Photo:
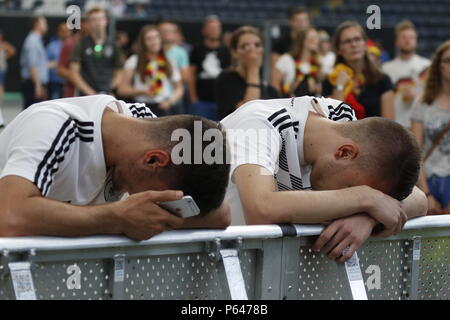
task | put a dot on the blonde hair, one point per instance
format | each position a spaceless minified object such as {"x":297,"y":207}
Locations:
{"x":404,"y":25}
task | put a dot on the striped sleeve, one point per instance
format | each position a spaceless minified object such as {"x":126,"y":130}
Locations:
{"x":140,"y":110}
{"x":42,"y":142}
{"x":341,"y":112}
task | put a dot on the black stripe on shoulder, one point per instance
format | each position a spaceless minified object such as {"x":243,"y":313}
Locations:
{"x":280,"y":120}
{"x":83,"y":123}
{"x":69,"y":132}
{"x":46,"y":177}
{"x":50,"y":151}
{"x":343,"y":116}
{"x":276,"y":114}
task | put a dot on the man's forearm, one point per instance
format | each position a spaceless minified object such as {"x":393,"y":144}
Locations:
{"x":82,"y":85}
{"x":308,"y":207}
{"x":416,"y":204}
{"x":41,"y":216}
{"x":35,"y":76}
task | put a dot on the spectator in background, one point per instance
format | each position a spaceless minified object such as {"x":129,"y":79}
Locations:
{"x":173,"y":51}
{"x":355,"y":79}
{"x":150,"y":77}
{"x":96,"y":60}
{"x":431,"y":126}
{"x":117,"y":8}
{"x":34,"y":63}
{"x":207,"y":62}
{"x":64,"y":58}
{"x":407,"y":71}
{"x":181,"y":41}
{"x":177,"y":54}
{"x":7,"y":51}
{"x":56,"y":84}
{"x":123,"y":42}
{"x":298,"y":21}
{"x":243,"y":82}
{"x":326,"y":51}
{"x":297,"y":73}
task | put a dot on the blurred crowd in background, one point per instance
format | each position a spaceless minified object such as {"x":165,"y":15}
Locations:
{"x":225,"y":70}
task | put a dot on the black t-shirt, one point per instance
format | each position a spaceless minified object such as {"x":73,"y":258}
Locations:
{"x":209,"y":63}
{"x":283,"y":44}
{"x":97,"y":63}
{"x":370,"y":96}
{"x":230,"y":89}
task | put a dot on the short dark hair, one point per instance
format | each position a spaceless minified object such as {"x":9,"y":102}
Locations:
{"x":34,"y":21}
{"x":295,"y":11}
{"x":205,"y":182}
{"x":389,"y":151}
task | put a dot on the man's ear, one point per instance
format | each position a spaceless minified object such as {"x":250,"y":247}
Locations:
{"x":156,"y":158}
{"x":347,"y":152}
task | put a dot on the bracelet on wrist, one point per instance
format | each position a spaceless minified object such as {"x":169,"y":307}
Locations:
{"x":254,"y":85}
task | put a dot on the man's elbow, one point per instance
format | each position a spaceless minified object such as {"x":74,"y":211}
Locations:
{"x":422,"y":203}
{"x":10,"y":225}
{"x":259,"y":214}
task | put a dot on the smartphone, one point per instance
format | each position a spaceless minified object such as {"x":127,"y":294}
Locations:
{"x":184,"y":208}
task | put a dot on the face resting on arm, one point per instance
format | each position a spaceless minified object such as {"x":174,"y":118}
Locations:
{"x":39,"y":196}
{"x":365,"y":167}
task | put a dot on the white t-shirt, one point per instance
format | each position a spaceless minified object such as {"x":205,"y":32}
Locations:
{"x":410,"y":73}
{"x":270,"y":133}
{"x":434,"y":120}
{"x":57,"y":145}
{"x":286,"y":65}
{"x":328,"y":62}
{"x":166,"y":86}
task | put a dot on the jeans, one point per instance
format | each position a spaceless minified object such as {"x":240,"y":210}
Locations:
{"x":204,"y":109}
{"x":28,"y":94}
{"x":440,"y":189}
{"x":55,"y":90}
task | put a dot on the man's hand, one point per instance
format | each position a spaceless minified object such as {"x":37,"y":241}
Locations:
{"x":252,"y":59}
{"x":141,"y":217}
{"x":165,"y":105}
{"x":39,"y":91}
{"x":342,"y":78}
{"x":346,"y":232}
{"x":386,"y":210}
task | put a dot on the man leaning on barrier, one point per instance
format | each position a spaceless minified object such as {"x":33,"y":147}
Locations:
{"x":64,"y":164}
{"x":363,"y":173}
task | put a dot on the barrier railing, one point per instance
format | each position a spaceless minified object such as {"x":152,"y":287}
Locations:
{"x":245,"y":262}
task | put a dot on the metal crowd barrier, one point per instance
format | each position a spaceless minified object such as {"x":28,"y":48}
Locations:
{"x":245,"y":262}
